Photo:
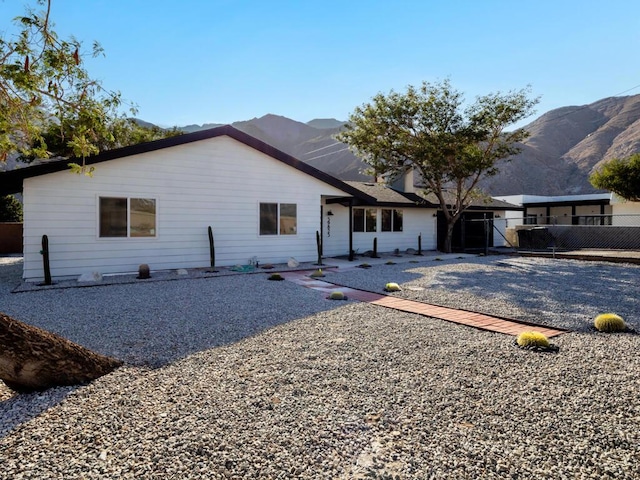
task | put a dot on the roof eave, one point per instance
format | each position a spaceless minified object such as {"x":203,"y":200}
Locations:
{"x":13,"y":179}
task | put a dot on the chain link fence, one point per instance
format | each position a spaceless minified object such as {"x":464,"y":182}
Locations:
{"x":599,"y":232}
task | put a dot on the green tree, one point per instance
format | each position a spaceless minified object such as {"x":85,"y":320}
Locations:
{"x":621,"y":176}
{"x":10,"y":209}
{"x":428,"y":129}
{"x":49,"y":105}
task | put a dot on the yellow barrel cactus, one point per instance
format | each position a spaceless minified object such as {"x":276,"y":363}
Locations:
{"x":392,"y":287}
{"x":337,"y":295}
{"x":532,"y":339}
{"x":609,"y":322}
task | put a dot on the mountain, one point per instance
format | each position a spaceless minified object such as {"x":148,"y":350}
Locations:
{"x":325,"y":123}
{"x":563,"y":148}
{"x":311,"y":144}
{"x":567,"y":144}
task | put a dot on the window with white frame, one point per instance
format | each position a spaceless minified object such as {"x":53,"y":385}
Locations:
{"x":127,"y":217}
{"x":391,"y":220}
{"x":278,"y":219}
{"x":365,"y":220}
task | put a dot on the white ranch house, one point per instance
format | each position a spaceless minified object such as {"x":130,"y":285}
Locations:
{"x":152,"y":203}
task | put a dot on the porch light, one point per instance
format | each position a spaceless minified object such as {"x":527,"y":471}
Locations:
{"x":329,"y":213}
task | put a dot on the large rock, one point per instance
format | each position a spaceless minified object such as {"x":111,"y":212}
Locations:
{"x":33,"y":359}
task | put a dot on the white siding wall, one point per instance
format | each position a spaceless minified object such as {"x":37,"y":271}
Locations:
{"x":513,"y":218}
{"x":415,"y":221}
{"x":218,"y":182}
{"x":626,"y":214}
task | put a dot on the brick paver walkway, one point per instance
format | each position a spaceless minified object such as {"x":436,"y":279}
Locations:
{"x":463,"y":317}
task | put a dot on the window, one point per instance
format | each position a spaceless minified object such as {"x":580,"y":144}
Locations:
{"x":391,"y":220}
{"x":365,"y":219}
{"x":358,"y":219}
{"x":288,"y":219}
{"x":127,"y":217}
{"x":531,"y":219}
{"x":278,"y":219}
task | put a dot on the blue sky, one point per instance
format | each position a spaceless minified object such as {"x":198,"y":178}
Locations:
{"x":220,"y":61}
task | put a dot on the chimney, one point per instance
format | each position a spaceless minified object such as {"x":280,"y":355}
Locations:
{"x":404,"y":182}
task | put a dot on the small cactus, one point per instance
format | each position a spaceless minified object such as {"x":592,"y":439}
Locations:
{"x":390,"y":263}
{"x":609,"y":322}
{"x":532,"y":339}
{"x":276,"y":277}
{"x":392,"y":287}
{"x":144,"y":272}
{"x":337,"y":295}
{"x":364,"y":265}
{"x":437,"y":259}
{"x":317,"y":274}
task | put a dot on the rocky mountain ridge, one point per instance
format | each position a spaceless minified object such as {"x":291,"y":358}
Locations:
{"x":564,"y":146}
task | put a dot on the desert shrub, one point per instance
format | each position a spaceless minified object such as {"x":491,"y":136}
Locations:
{"x":390,"y":263}
{"x":276,"y":276}
{"x":392,"y":287}
{"x":364,"y":265}
{"x":532,"y":339}
{"x":609,"y":322}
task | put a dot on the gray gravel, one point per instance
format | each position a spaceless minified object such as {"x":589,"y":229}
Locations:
{"x":564,"y":293}
{"x":239,"y":377}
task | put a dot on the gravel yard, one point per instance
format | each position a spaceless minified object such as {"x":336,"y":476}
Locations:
{"x":239,"y":377}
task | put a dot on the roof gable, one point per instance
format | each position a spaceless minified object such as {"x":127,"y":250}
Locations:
{"x":11,"y":181}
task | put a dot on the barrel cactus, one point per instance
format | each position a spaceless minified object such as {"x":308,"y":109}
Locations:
{"x":337,"y":295}
{"x":392,"y":287}
{"x":532,"y":339}
{"x":276,"y":277}
{"x":609,"y":322}
{"x":317,"y":274}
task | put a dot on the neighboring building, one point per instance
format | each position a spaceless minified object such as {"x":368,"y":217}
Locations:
{"x":600,"y":221}
{"x":590,"y":209}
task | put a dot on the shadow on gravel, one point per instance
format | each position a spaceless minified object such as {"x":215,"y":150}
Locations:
{"x":557,"y":289}
{"x":155,"y":324}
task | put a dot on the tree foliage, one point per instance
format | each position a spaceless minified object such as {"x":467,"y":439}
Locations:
{"x":49,"y":105}
{"x":10,"y":209}
{"x":428,"y":129}
{"x":621,"y":176}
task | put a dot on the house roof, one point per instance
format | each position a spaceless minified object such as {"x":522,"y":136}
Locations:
{"x":11,"y":181}
{"x":559,"y":200}
{"x":486,"y":203}
{"x":385,"y":195}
